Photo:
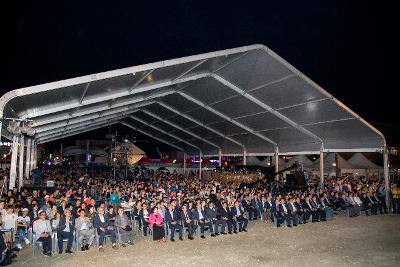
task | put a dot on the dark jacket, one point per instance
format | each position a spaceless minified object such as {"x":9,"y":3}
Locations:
{"x":62,"y":224}
{"x":97,"y":223}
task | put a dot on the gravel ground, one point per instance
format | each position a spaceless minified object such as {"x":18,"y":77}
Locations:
{"x":361,"y":241}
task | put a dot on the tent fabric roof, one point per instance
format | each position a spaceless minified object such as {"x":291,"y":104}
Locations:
{"x":230,"y":101}
{"x":359,"y":161}
{"x":329,"y":159}
{"x":301,"y":159}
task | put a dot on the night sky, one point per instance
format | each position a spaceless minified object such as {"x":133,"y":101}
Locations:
{"x":347,"y":47}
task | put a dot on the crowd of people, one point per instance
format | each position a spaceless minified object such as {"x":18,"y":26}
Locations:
{"x":86,"y":209}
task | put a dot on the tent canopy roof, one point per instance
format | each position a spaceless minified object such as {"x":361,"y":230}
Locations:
{"x":245,"y":98}
{"x":360,"y":161}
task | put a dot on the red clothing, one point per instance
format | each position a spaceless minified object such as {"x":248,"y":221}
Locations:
{"x":155,"y":218}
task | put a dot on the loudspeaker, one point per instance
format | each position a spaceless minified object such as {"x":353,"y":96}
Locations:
{"x":290,"y":180}
{"x":299,"y":179}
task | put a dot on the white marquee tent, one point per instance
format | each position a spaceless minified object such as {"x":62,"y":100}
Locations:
{"x":362,"y":165}
{"x":241,"y":101}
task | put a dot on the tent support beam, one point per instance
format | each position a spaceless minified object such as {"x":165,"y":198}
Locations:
{"x":46,"y":110}
{"x":13,"y":165}
{"x":66,"y":130}
{"x":265,"y":106}
{"x":145,"y":75}
{"x":227,"y":118}
{"x":386,"y":176}
{"x":244,"y":157}
{"x":230,"y":62}
{"x":200,"y":156}
{"x":220,"y":158}
{"x":180,"y":128}
{"x":184,"y":163}
{"x":276,"y":159}
{"x":321,"y":166}
{"x":152,"y":136}
{"x":189,"y":69}
{"x":28,"y":157}
{"x":52,"y":124}
{"x":162,"y":131}
{"x":21,"y":163}
{"x":199,"y":123}
{"x":75,"y":132}
{"x":84,"y":93}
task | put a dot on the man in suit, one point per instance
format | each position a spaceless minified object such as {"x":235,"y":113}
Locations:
{"x":246,"y":204}
{"x":369,"y":204}
{"x":238,"y":214}
{"x":286,"y":213}
{"x":301,"y":212}
{"x":271,"y":207}
{"x":380,"y":205}
{"x":200,"y":216}
{"x":345,"y":205}
{"x":293,"y":211}
{"x":66,"y":228}
{"x":84,"y":230}
{"x":104,"y":227}
{"x":310,"y":209}
{"x":319,"y":207}
{"x":213,"y":215}
{"x":187,"y":219}
{"x":172,"y":218}
{"x":226,"y":215}
{"x":255,"y":204}
{"x":328,"y":204}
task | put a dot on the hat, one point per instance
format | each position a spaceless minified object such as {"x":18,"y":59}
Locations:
{"x":40,"y":211}
{"x":25,"y":209}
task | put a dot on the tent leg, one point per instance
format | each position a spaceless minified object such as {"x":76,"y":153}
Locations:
{"x":34,"y":156}
{"x":244,"y":157}
{"x":13,"y":167}
{"x":28,"y":157}
{"x":220,"y":158}
{"x":200,"y":155}
{"x":386,"y":175}
{"x":21,"y":163}
{"x":276,"y":160}
{"x":184,"y":163}
{"x":321,"y":166}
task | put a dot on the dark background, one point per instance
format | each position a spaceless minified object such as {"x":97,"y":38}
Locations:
{"x":347,"y":47}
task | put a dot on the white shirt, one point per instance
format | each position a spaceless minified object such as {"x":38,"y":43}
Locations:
{"x":200,"y":215}
{"x":284,"y":208}
{"x":238,"y":211}
{"x":24,"y":220}
{"x":67,"y":228}
{"x":9,"y":220}
{"x":294,"y":208}
{"x":84,"y":226}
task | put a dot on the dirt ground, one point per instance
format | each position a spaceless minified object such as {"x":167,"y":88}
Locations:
{"x":361,"y":241}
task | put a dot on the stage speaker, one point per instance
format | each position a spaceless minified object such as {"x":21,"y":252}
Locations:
{"x":299,"y":179}
{"x":290,"y":179}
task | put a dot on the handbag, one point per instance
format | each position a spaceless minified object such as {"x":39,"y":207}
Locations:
{"x":128,"y":228}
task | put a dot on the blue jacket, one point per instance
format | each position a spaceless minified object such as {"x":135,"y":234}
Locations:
{"x":195,"y":215}
{"x":168,"y":217}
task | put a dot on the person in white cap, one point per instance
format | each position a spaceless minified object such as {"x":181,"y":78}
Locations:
{"x":42,"y":229}
{"x":23,"y":222}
